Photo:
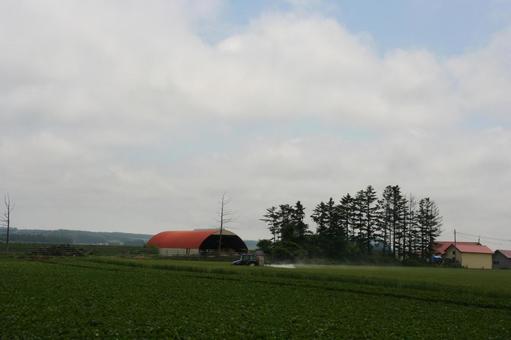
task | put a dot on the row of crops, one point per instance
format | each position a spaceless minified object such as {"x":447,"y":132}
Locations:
{"x":456,"y":285}
{"x":109,"y":298}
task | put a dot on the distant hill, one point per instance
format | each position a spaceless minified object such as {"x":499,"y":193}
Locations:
{"x":251,"y":244}
{"x":66,"y":236}
{"x":73,"y":237}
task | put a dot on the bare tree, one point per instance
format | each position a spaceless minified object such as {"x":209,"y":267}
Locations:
{"x":224,"y":217}
{"x":6,"y":218}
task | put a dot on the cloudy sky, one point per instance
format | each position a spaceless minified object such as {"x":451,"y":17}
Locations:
{"x":136,"y":115}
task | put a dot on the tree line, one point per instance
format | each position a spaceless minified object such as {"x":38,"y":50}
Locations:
{"x":361,"y":225}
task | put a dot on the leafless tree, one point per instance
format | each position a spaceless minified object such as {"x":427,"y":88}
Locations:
{"x":6,"y":217}
{"x":224,"y":217}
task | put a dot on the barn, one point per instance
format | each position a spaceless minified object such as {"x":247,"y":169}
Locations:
{"x":475,"y":256}
{"x":502,"y":259}
{"x":197,"y":242}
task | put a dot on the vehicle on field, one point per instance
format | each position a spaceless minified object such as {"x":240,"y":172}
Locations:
{"x":249,"y":260}
{"x":437,"y":259}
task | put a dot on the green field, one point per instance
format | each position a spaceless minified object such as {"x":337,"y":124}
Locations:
{"x":101,"y":250}
{"x":111,"y":297}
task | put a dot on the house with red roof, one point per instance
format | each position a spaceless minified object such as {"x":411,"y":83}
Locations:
{"x":441,"y":246}
{"x":469,"y":255}
{"x":502,"y":259}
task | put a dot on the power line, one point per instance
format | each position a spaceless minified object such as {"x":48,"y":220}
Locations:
{"x":484,"y":237}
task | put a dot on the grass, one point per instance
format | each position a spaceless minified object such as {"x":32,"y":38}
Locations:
{"x":111,"y":297}
{"x":99,"y":250}
{"x":490,"y":281}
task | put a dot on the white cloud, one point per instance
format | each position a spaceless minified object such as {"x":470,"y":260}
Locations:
{"x":116,"y":115}
{"x":484,"y":77}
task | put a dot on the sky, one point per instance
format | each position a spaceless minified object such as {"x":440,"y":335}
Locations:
{"x":136,"y":116}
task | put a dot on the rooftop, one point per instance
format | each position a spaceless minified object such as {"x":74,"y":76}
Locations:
{"x":441,"y":246}
{"x":506,"y":253}
{"x":472,"y":248}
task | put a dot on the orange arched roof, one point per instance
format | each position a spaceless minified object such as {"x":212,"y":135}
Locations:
{"x":184,"y":239}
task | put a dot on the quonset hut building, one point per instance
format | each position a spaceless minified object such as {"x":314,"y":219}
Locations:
{"x":196,"y":242}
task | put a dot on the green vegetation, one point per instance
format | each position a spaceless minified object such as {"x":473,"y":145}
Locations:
{"x":362,"y":227}
{"x":72,"y":237}
{"x":112,"y":297}
{"x":90,"y":249}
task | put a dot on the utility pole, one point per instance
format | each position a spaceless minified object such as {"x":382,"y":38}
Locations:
{"x":454,"y":236}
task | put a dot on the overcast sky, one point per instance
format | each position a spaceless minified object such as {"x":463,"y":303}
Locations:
{"x":136,"y":115}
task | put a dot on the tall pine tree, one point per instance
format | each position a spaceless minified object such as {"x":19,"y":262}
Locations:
{"x":347,"y":215}
{"x":331,"y":235}
{"x":273,"y":219}
{"x":430,"y":222}
{"x":369,"y":212}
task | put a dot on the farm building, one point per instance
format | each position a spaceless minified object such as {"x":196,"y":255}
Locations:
{"x":502,"y":259}
{"x":469,"y":255}
{"x":441,"y":246}
{"x":196,"y":242}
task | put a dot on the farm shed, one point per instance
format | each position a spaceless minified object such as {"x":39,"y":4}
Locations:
{"x":502,"y":259}
{"x":196,"y":242}
{"x":475,"y":256}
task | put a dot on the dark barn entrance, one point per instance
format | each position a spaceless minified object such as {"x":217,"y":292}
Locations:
{"x":230,"y":243}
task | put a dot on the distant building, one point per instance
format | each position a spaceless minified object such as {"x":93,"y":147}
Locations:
{"x":469,"y":255}
{"x":502,"y":259}
{"x":440,"y":247}
{"x":196,"y":242}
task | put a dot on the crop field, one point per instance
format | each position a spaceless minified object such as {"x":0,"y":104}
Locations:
{"x":100,"y":250}
{"x":111,"y":297}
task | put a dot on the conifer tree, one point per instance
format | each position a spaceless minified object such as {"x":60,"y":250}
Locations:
{"x":321,"y":218}
{"x":391,"y":228}
{"x":369,"y":210}
{"x":335,"y":226}
{"x":412,"y":228}
{"x":287,"y":232}
{"x":358,"y":216}
{"x":347,"y":215}
{"x":331,"y":235}
{"x":430,"y":222}
{"x":299,"y":227}
{"x":404,"y":227}
{"x":398,"y":221}
{"x":385,"y":222}
{"x":273,"y":219}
